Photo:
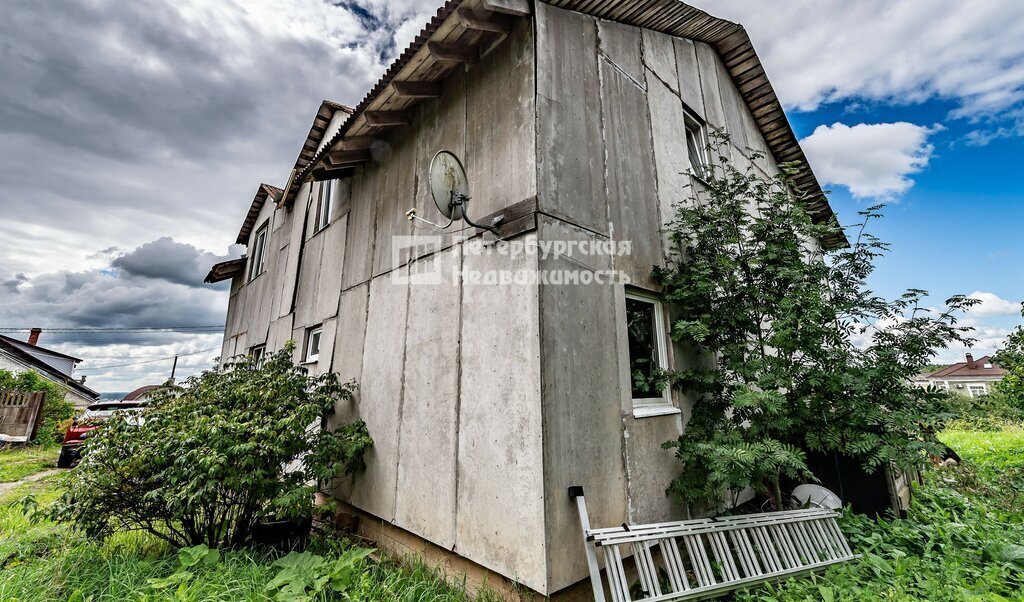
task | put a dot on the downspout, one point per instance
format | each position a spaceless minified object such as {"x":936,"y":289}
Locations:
{"x":302,"y":246}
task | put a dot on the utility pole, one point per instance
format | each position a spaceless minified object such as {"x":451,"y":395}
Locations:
{"x":174,"y":368}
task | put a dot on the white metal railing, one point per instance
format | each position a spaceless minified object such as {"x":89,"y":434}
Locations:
{"x":684,"y":560}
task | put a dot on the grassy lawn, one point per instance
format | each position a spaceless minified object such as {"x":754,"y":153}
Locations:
{"x":963,"y":540}
{"x":41,"y":562}
{"x":17,"y":463}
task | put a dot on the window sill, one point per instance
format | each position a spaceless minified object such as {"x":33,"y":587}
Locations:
{"x":659,"y":410}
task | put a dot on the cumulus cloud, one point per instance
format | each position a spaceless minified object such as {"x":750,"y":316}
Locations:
{"x":156,"y":285}
{"x":819,"y":51}
{"x":993,"y":305}
{"x":823,"y":50}
{"x":872,"y":160}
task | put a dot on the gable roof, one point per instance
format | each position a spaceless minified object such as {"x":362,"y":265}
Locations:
{"x":264,"y":192}
{"x":16,"y":349}
{"x":321,"y":121}
{"x":225,"y":270}
{"x":961,"y":370}
{"x":730,"y":40}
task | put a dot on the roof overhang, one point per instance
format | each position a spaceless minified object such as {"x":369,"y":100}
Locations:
{"x":462,"y":27}
{"x":321,"y":121}
{"x":225,"y":270}
{"x":265,"y":191}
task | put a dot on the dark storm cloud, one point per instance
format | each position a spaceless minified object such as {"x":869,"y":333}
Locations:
{"x":165,"y":259}
{"x":154,"y":286}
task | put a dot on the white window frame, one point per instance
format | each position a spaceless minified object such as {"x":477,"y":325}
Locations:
{"x":258,"y":257}
{"x":692,"y":123}
{"x":971,"y":388}
{"x":651,"y":406}
{"x":259,"y":354}
{"x":316,"y":333}
{"x":324,"y":205}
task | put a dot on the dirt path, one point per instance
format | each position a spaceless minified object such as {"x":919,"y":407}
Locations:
{"x":5,"y":487}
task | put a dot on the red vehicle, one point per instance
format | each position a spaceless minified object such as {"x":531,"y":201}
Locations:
{"x":84,"y":426}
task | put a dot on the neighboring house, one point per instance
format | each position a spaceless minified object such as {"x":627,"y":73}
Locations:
{"x":19,"y":356}
{"x":973,"y":377}
{"x":487,"y":399}
{"x":143,"y":393}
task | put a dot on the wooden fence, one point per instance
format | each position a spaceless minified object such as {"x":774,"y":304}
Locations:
{"x":20,"y":413}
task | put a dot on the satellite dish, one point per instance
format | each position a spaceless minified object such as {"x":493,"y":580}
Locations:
{"x":449,"y":185}
{"x":816,"y":496}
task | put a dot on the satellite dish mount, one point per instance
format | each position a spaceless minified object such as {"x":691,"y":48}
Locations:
{"x":449,"y":187}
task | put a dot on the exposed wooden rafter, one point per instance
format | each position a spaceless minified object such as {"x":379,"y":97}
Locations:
{"x":417,"y":89}
{"x":455,"y":53}
{"x":481,"y":20}
{"x":518,"y":8}
{"x":347,"y":158}
{"x":387,"y":118}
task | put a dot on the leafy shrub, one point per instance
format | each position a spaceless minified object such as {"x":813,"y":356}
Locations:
{"x":205,"y":463}
{"x":984,"y":413}
{"x":57,"y":410}
{"x":776,"y":320}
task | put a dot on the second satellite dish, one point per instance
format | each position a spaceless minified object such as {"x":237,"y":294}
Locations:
{"x":449,"y":185}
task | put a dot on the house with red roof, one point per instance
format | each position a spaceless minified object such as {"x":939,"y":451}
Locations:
{"x":971,"y":377}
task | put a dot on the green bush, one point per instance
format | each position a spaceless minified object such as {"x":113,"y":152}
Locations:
{"x":57,"y":410}
{"x":206,"y":462}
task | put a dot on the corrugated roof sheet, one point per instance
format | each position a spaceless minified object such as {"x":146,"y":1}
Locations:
{"x":668,"y":16}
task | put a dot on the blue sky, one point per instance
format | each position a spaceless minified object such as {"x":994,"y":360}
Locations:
{"x":166,"y":116}
{"x":957,"y":229}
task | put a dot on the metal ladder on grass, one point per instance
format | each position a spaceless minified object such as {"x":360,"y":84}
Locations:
{"x":685,"y":560}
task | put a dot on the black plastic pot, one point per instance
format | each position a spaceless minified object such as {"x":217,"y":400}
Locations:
{"x":285,"y":535}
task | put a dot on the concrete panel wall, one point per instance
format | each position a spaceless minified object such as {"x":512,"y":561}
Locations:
{"x":629,"y":173}
{"x":570,"y":161}
{"x":634,"y":149}
{"x":500,"y":521}
{"x":500,"y":130}
{"x":581,"y":391}
{"x":428,"y":440}
{"x":380,"y":395}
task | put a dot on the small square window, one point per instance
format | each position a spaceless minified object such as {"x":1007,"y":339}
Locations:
{"x":258,"y":257}
{"x":258,"y":354}
{"x":696,"y":144}
{"x":313,"y":343}
{"x":324,"y":205}
{"x":645,"y":331}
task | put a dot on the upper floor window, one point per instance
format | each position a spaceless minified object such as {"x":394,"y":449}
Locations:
{"x":258,"y":354}
{"x":648,"y":357}
{"x":258,"y":257}
{"x":977,"y":390}
{"x":696,"y":144}
{"x":324,"y":205}
{"x":313,"y":343}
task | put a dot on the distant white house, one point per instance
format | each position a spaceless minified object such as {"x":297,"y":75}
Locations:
{"x":20,"y":356}
{"x":973,"y":377}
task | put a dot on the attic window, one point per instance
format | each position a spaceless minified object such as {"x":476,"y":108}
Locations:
{"x":696,"y":143}
{"x":987,"y":366}
{"x":257,"y":259}
{"x":324,"y":205}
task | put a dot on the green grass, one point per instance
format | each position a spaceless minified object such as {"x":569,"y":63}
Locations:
{"x":45,"y":562}
{"x":960,"y":541}
{"x":16,"y":463}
